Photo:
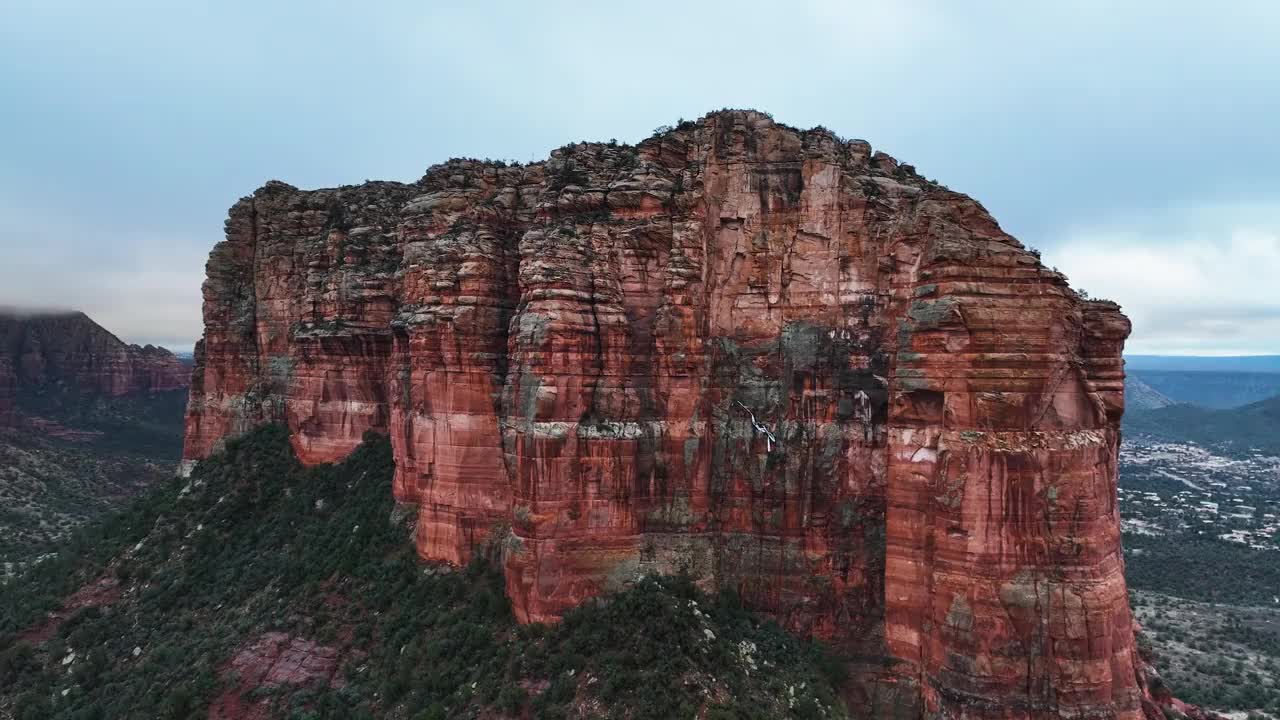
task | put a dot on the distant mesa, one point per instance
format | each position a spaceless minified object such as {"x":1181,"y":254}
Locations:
{"x":66,"y":350}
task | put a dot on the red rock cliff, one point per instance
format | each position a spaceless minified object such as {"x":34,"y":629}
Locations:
{"x":71,"y":350}
{"x":768,"y":357}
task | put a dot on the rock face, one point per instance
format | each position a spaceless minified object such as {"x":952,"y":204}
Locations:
{"x":767,"y":357}
{"x":70,"y":350}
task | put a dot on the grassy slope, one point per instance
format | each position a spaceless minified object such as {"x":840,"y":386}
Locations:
{"x":1217,"y":390}
{"x":256,"y":543}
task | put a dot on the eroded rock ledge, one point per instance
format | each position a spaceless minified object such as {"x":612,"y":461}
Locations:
{"x":568,"y":355}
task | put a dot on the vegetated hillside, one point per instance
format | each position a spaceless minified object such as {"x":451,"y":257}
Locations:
{"x":142,"y":423}
{"x":1237,"y":430}
{"x":74,"y":457}
{"x":1224,"y":657}
{"x":1209,"y":388}
{"x":1202,"y":568}
{"x":1208,"y":608}
{"x":258,"y":588}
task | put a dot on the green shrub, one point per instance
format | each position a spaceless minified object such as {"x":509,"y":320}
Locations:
{"x":245,"y":546}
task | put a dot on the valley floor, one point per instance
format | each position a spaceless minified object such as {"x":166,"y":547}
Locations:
{"x":1202,"y":559}
{"x":1219,"y":656}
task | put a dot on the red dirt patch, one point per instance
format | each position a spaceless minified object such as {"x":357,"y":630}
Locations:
{"x":99,"y":593}
{"x":273,"y":660}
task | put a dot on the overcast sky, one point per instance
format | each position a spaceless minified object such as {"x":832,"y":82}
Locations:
{"x":1136,"y":143}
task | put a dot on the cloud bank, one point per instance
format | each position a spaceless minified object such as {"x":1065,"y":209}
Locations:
{"x":1199,"y":281}
{"x":130,"y":127}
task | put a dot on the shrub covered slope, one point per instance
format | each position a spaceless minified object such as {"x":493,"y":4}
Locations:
{"x":153,"y":609}
{"x":1248,"y":429}
{"x":95,"y":456}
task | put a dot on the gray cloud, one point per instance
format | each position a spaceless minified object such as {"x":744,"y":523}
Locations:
{"x":1195,"y":280}
{"x":130,"y":127}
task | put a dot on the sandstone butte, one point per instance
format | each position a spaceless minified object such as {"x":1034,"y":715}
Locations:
{"x":568,"y":356}
{"x":69,"y":350}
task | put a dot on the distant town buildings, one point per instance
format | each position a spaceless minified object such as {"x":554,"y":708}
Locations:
{"x":1168,"y":488}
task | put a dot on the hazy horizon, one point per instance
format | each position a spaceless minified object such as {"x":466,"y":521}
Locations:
{"x":1131,"y":145}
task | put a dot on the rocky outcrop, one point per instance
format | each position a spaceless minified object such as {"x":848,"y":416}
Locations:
{"x":69,"y":350}
{"x":272,"y":661}
{"x":767,"y":357}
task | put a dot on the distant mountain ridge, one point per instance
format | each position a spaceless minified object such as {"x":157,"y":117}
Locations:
{"x":1193,"y":363}
{"x":1218,"y":390}
{"x":1219,"y":383}
{"x":1244,"y":429}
